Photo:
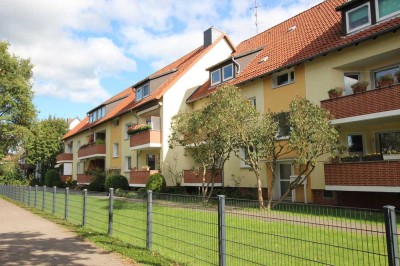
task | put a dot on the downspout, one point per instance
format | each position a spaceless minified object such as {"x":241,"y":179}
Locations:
{"x":137,"y":151}
{"x":237,"y":64}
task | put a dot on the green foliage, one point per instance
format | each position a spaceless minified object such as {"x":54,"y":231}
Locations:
{"x":116,"y":181}
{"x":156,"y":183}
{"x":52,"y":178}
{"x":17,"y":112}
{"x":138,"y":129}
{"x":36,"y":181}
{"x":11,"y":174}
{"x":97,"y":182}
{"x":46,"y":144}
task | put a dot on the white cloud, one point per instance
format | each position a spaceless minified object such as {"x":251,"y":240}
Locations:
{"x":74,"y":44}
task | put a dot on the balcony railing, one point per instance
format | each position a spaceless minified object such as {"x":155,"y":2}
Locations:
{"x":192,"y":177}
{"x":363,"y":174}
{"x":146,"y":139}
{"x":369,"y":102}
{"x":95,"y":150}
{"x":139,"y":178}
{"x":84,"y":178}
{"x":64,"y":157}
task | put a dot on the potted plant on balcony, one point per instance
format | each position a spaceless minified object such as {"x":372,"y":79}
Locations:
{"x":138,"y":128}
{"x":350,"y":158}
{"x":385,"y":80}
{"x":360,"y":86}
{"x":145,"y":168}
{"x":392,"y":154}
{"x":372,"y":157}
{"x":335,"y":92}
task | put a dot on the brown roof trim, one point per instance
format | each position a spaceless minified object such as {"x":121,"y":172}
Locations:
{"x":323,"y":53}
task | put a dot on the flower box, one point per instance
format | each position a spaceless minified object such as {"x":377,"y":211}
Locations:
{"x":391,"y":156}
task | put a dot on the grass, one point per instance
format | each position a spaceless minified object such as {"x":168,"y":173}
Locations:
{"x":187,"y":233}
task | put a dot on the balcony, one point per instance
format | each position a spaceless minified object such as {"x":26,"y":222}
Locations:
{"x":139,"y":178}
{"x":146,"y":139}
{"x":193,"y":178}
{"x":84,"y":179}
{"x":64,"y":158}
{"x":366,"y":103}
{"x":92,"y":151}
{"x":374,"y":176}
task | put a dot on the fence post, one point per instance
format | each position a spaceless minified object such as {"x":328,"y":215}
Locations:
{"x":66,"y":204}
{"x":29,"y":196}
{"x":44,"y":198}
{"x":36,"y":189}
{"x":221,"y":231}
{"x":149,"y":231}
{"x":84,"y":207}
{"x":54,"y":199}
{"x":391,"y":235}
{"x":110,"y":211}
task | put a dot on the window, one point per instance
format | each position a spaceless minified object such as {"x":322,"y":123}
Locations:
{"x":355,"y":144}
{"x":227,"y":72}
{"x":284,"y":78}
{"x":151,"y":161}
{"x":79,"y":168}
{"x":244,"y":154}
{"x":389,"y":142}
{"x":253,"y":101}
{"x":91,"y":117}
{"x":128,"y":163}
{"x":283,"y":121}
{"x":358,"y":18}
{"x":142,"y":91}
{"x":216,"y":77}
{"x":387,"y":71}
{"x":116,"y":122}
{"x":115,"y":149}
{"x":386,"y":8}
{"x":350,"y":79}
{"x":127,"y":126}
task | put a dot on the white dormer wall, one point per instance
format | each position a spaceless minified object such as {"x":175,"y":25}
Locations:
{"x":174,"y":100}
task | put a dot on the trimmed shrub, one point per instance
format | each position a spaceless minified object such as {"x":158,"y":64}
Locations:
{"x":98,"y":179}
{"x":116,"y":181}
{"x":52,"y":178}
{"x":156,"y":183}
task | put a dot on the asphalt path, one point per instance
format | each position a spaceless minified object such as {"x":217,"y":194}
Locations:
{"x":28,"y":239}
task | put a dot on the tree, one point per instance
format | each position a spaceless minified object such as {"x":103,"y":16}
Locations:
{"x":46,"y":143}
{"x":208,"y":133}
{"x":17,"y":112}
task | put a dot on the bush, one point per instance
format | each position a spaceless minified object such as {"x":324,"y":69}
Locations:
{"x":116,"y":181}
{"x":52,"y":178}
{"x":36,"y":181}
{"x":98,"y":179}
{"x":156,"y":183}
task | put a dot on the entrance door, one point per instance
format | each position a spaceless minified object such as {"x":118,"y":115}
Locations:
{"x":283,"y":181}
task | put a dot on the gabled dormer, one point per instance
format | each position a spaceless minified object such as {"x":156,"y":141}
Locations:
{"x":360,"y":14}
{"x":223,"y":71}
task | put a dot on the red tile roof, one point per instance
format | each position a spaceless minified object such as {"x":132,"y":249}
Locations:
{"x":177,"y":68}
{"x":317,"y":32}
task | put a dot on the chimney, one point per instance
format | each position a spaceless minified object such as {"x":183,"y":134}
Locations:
{"x":211,"y":35}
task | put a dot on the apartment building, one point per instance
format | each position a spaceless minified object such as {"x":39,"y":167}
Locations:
{"x":335,"y":43}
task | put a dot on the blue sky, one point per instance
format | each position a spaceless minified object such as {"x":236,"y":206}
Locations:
{"x":85,"y":51}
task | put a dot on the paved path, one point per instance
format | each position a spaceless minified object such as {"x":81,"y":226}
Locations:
{"x":28,"y":239}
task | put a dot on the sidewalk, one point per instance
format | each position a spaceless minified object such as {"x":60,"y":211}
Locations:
{"x":27,"y":239}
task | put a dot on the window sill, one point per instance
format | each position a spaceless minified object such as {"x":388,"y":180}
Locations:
{"x":283,"y":85}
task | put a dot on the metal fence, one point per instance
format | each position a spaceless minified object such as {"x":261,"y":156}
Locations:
{"x":227,"y":231}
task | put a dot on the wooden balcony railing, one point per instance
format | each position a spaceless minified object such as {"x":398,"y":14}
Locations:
{"x":64,"y":157}
{"x":150,"y":138}
{"x":96,"y":150}
{"x":140,"y":177}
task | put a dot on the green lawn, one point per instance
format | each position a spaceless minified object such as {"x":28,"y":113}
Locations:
{"x":187,"y":232}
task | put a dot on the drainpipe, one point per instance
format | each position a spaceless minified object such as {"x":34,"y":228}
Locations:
{"x":237,"y":64}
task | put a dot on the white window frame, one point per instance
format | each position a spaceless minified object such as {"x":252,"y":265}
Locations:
{"x":349,"y":91}
{"x":286,"y":72}
{"x":140,"y":89}
{"x":243,"y":154}
{"x":144,"y":87}
{"x":378,"y":18}
{"x":115,"y":150}
{"x":126,"y":163}
{"x":373,"y":72}
{"x":223,"y":73}
{"x":126,"y":135}
{"x":362,"y":26}
{"x":219,"y":74}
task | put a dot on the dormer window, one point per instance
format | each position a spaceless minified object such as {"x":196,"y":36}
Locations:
{"x":386,"y":8}
{"x":227,"y":72}
{"x":97,"y":114}
{"x":358,"y":18}
{"x":215,"y":77}
{"x":142,"y":92}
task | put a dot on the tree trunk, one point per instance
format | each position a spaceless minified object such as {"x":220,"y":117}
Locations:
{"x":271,"y":186}
{"x":259,"y":191}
